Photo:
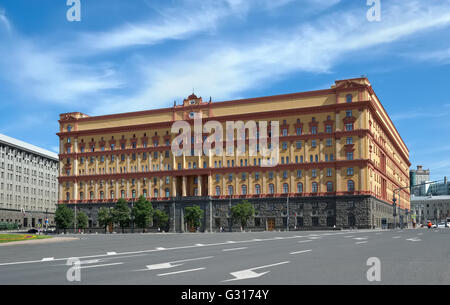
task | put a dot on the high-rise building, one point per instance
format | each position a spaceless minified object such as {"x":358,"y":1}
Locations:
{"x":418,"y":178}
{"x":340,"y":159}
{"x":28,"y":183}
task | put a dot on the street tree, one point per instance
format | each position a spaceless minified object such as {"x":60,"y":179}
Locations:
{"x":193,"y":216}
{"x":160,"y":218}
{"x":242,"y":212}
{"x":142,"y":213}
{"x":64,"y":217}
{"x":82,"y":220}
{"x":121,"y":214}
{"x":105,"y":217}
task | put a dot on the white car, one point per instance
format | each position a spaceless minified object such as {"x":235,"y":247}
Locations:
{"x":442,"y":225}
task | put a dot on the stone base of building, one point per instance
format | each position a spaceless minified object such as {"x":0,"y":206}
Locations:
{"x":305,"y":213}
{"x":27,"y":219}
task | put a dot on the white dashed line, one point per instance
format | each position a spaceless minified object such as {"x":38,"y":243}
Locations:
{"x":234,"y":249}
{"x":361,"y":242}
{"x":182,"y":271}
{"x":298,"y":252}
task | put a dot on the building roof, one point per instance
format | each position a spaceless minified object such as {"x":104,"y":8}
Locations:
{"x":28,"y":147}
{"x":430,"y":198}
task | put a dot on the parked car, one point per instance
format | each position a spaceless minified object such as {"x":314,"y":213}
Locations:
{"x":33,"y":231}
{"x":442,"y":225}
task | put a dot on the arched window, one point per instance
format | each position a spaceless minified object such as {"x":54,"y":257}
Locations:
{"x":144,"y":193}
{"x":349,"y":98}
{"x":329,"y":187}
{"x":350,"y":186}
{"x":133,"y":193}
{"x":69,"y":128}
{"x":81,"y":196}
{"x":111,"y":194}
{"x":285,"y":188}
{"x":155,"y":192}
{"x":244,"y":189}
{"x":167,"y":192}
{"x":257,"y":189}
{"x":230,"y":190}
{"x":315,"y":187}
{"x":299,"y":187}
{"x":122,"y":194}
{"x":67,"y":196}
{"x":217,"y":190}
{"x":271,"y":188}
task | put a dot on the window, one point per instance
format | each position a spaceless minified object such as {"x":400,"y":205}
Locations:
{"x":257,"y":189}
{"x":101,"y":195}
{"x":349,"y":127}
{"x":315,"y":187}
{"x":350,"y":171}
{"x":230,"y":190}
{"x":313,"y":129}
{"x":349,"y":155}
{"x":285,"y":174}
{"x":314,"y":173}
{"x":299,"y":187}
{"x":217,"y":190}
{"x":167,"y":192}
{"x":329,"y":172}
{"x":328,"y":129}
{"x":329,"y":187}
{"x":349,"y":140}
{"x":299,"y":173}
{"x":69,"y":128}
{"x":298,"y":144}
{"x":350,"y":186}
{"x":299,"y":131}
{"x":348,"y":113}
{"x":349,"y":98}
{"x":244,"y":189}
{"x":155,"y":192}
{"x":285,"y":188}
{"x":285,"y":132}
{"x":284,"y":145}
{"x":67,"y":196}
{"x":271,"y":188}
{"x":329,"y":142}
{"x":313,"y":143}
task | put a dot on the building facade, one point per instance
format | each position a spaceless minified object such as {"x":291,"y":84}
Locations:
{"x":419,"y":176}
{"x":430,"y":208}
{"x":28,"y":183}
{"x":340,"y":159}
{"x":439,"y":188}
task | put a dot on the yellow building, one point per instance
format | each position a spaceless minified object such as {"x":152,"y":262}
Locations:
{"x":340,"y":160}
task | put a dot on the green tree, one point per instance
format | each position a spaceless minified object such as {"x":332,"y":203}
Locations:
{"x":160,"y":218}
{"x":242,"y":212}
{"x":142,"y":213}
{"x":121,"y":213}
{"x":104,"y":217}
{"x":63,"y":217}
{"x":193,"y":216}
{"x":82,"y":220}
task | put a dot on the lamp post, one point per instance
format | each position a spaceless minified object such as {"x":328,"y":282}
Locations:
{"x":287,"y":216}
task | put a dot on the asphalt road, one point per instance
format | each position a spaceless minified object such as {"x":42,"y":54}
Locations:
{"x":419,"y":256}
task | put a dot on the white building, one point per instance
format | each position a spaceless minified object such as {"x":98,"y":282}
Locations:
{"x":28,"y":183}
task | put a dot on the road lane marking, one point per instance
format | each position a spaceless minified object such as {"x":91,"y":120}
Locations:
{"x":361,"y":238}
{"x":234,"y":249}
{"x":149,"y":251}
{"x":182,"y":271}
{"x":172,"y":264}
{"x":397,"y":237}
{"x":199,"y":245}
{"x":298,"y":252}
{"x":249,"y":273}
{"x":414,"y":239}
{"x":111,"y":253}
{"x":104,"y":265}
{"x":47,"y":259}
{"x":305,"y":241}
{"x":361,"y":242}
{"x":349,"y":236}
{"x":160,"y":248}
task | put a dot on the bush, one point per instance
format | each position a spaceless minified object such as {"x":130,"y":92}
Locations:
{"x":8,"y":226}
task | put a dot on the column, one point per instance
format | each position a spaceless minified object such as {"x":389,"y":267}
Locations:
{"x":199,"y":185}
{"x":184,"y":185}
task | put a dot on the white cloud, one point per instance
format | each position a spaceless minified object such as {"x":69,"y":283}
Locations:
{"x":4,"y":20}
{"x":226,"y":69}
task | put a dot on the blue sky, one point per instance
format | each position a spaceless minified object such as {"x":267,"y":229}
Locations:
{"x":144,"y":54}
